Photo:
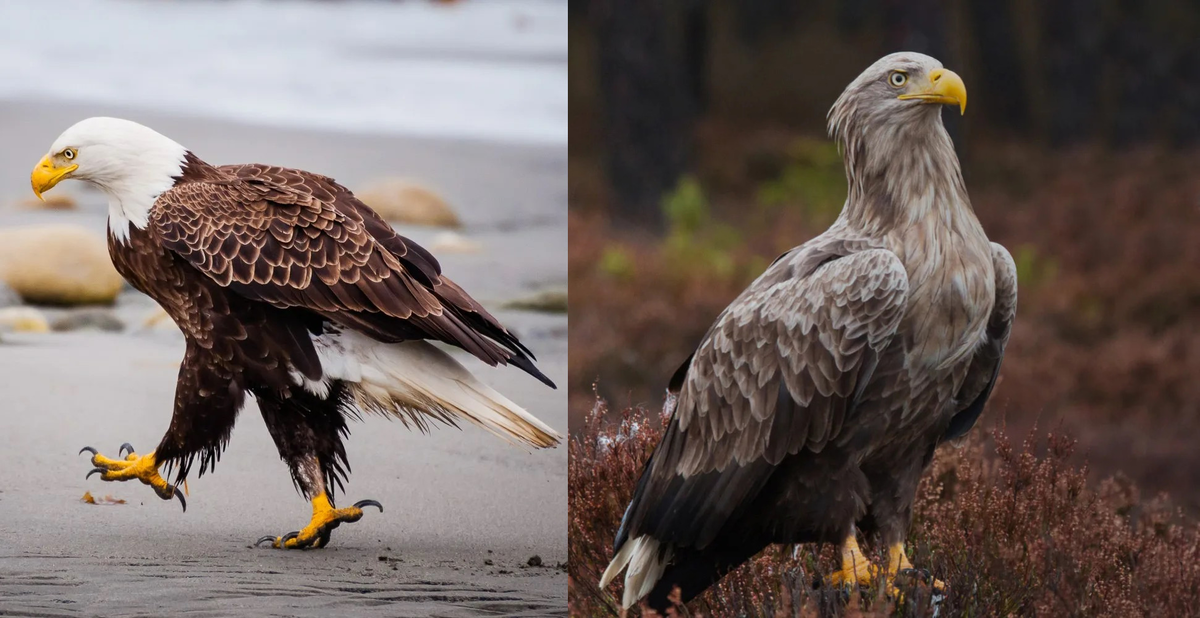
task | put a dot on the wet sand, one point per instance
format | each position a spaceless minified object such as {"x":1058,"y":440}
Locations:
{"x":454,"y":500}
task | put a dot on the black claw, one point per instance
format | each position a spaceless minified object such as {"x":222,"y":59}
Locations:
{"x":362,"y":503}
{"x":291,"y":535}
{"x":270,"y":538}
{"x":922,"y":575}
{"x":182,"y":501}
{"x":126,"y":446}
{"x":95,"y":470}
{"x":88,"y":449}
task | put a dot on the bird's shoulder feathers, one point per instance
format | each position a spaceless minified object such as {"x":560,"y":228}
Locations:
{"x":778,"y":372}
{"x":292,"y":239}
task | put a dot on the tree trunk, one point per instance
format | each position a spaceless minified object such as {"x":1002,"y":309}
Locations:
{"x":646,"y":117}
{"x":1072,"y":36}
{"x":1141,"y":66}
{"x":1003,"y":88}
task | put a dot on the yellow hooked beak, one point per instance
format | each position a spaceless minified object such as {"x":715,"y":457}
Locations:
{"x":45,"y":176}
{"x":945,"y":87}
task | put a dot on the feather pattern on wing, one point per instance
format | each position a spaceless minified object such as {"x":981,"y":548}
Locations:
{"x":296,"y":239}
{"x":777,"y":373}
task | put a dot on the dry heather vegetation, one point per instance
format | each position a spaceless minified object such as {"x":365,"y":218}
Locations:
{"x":1017,"y":534}
{"x":1105,"y":350}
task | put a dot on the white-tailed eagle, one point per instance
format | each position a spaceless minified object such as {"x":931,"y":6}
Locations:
{"x":813,"y":405}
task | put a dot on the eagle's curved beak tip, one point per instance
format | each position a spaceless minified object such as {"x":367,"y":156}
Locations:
{"x":945,"y":87}
{"x":949,"y":87}
{"x":45,"y":176}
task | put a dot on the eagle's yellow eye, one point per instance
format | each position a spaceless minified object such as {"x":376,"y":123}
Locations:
{"x":898,"y":78}
{"x":69,"y":154}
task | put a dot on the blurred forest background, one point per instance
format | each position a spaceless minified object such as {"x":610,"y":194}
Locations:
{"x":698,"y":154}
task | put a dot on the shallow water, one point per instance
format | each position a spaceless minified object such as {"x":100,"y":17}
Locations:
{"x":494,"y":69}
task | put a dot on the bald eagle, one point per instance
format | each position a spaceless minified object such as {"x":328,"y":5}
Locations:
{"x":812,"y":406}
{"x":287,"y":288}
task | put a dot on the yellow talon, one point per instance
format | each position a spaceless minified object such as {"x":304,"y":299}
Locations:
{"x":898,"y":563}
{"x":856,"y":568}
{"x":897,"y":560}
{"x":131,"y":466}
{"x":324,"y":519}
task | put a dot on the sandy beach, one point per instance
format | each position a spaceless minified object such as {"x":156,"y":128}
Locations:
{"x":464,"y":512}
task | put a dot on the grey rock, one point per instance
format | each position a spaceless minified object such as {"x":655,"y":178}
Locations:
{"x":8,"y":296}
{"x":546,"y":301}
{"x":88,"y":319}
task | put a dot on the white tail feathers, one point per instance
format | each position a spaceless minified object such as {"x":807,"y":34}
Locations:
{"x":646,"y":560}
{"x":414,"y":380}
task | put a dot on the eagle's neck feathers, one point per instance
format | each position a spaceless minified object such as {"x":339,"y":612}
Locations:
{"x":137,"y":183}
{"x":904,"y":174}
{"x":907,"y":192}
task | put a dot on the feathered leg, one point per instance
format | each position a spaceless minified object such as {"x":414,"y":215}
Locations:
{"x":207,"y":400}
{"x":308,"y":431}
{"x":893,"y":491}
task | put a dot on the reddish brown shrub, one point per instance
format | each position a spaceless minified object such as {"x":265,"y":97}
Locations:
{"x":1014,"y":534}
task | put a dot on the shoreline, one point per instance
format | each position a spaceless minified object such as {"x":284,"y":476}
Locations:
{"x":454,"y":499}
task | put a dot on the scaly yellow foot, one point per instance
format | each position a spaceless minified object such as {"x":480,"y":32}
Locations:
{"x":899,"y":566}
{"x":324,"y":519}
{"x":131,"y":466}
{"x":856,"y":568}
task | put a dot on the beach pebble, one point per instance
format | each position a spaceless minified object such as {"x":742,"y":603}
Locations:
{"x":403,"y":201}
{"x":92,"y":318}
{"x":546,"y":301}
{"x":23,"y":320}
{"x":58,"y":265}
{"x":8,"y":296}
{"x":57,"y":201}
{"x":453,"y":242}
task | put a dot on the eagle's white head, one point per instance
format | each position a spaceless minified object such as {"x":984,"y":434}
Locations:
{"x":131,"y":163}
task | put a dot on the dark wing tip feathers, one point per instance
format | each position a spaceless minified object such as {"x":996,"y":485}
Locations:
{"x":525,"y":363}
{"x":675,"y":385}
{"x":694,"y":484}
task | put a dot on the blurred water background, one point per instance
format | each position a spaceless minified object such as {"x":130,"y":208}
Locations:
{"x":493,"y":70}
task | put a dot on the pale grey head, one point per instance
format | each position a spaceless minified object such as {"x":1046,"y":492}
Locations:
{"x":888,"y":124}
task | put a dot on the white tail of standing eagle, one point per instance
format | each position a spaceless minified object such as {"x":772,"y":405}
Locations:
{"x":646,"y":560}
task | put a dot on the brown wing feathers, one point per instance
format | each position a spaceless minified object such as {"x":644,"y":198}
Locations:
{"x":779,"y":372}
{"x":296,"y":239}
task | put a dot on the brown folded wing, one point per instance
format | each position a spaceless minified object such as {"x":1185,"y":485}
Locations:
{"x":779,"y":372}
{"x":296,"y":239}
{"x":985,"y":365}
